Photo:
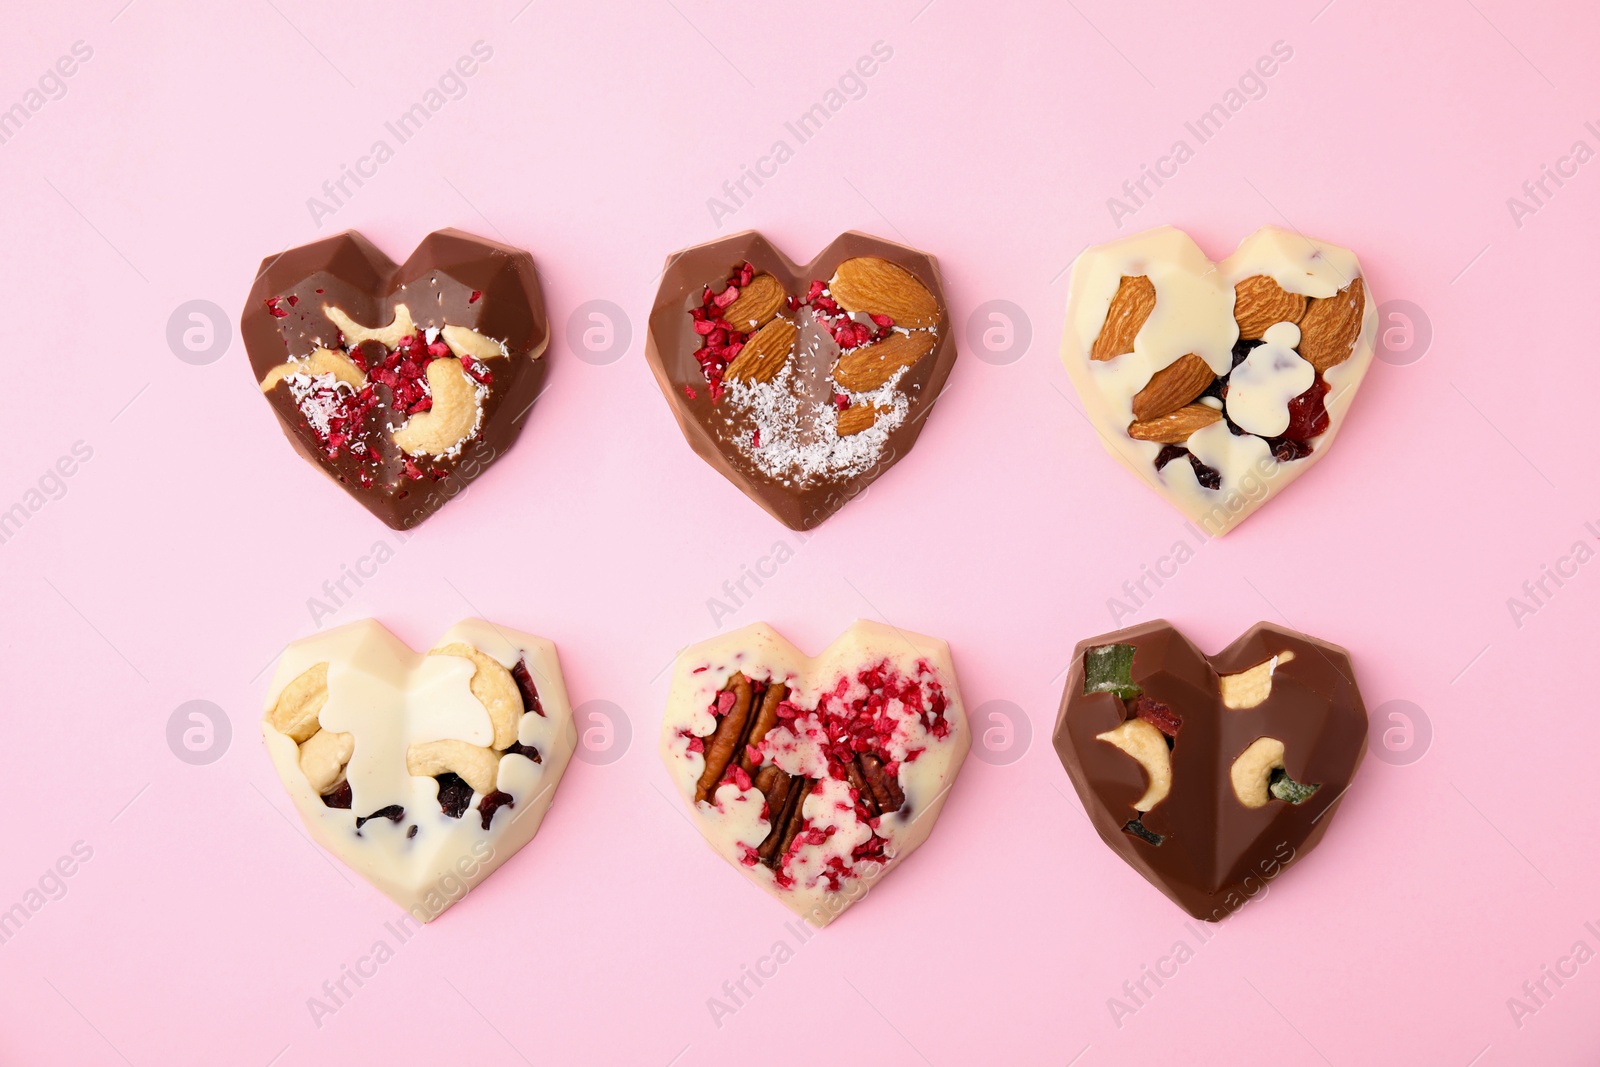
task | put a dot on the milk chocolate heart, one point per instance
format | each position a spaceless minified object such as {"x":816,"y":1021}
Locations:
{"x":423,"y":773}
{"x":1210,"y":775}
{"x":815,"y":777}
{"x":1218,"y":383}
{"x":801,"y":384}
{"x":403,"y":383}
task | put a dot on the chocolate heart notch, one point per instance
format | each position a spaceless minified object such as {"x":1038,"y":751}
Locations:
{"x":403,"y":383}
{"x":801,"y":384}
{"x":1210,"y":775}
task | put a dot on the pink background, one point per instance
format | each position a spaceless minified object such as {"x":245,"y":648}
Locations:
{"x":180,"y":557}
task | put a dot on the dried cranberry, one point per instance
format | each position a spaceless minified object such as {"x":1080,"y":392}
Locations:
{"x":454,"y":794}
{"x":519,"y":749}
{"x":530,"y":692}
{"x":1169,"y":453}
{"x":1161,"y":716}
{"x":339,"y":798}
{"x":1285,"y":450}
{"x":492,"y":803}
{"x":1308,"y":415}
{"x":394,"y":813}
{"x":1206,"y":476}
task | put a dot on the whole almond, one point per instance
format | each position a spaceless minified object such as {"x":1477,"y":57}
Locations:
{"x":1331,"y":325}
{"x":878,"y":287}
{"x":755,"y":304}
{"x":1172,"y":386}
{"x":863,"y":369}
{"x":1175,"y":428}
{"x":764,"y":355}
{"x":1132,"y":304}
{"x":1260,"y":303}
{"x":857,"y":417}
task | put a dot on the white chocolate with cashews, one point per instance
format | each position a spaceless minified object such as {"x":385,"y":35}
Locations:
{"x":356,"y":706}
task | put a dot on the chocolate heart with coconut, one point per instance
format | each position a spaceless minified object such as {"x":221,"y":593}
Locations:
{"x":801,"y":384}
{"x":1218,"y":383}
{"x":403,"y":383}
{"x":1210,"y":775}
{"x":422,"y":773}
{"x":815,"y":776}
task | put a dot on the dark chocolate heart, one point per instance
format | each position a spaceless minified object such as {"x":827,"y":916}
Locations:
{"x":403,"y":421}
{"x":1239,"y":807}
{"x":837,"y":382}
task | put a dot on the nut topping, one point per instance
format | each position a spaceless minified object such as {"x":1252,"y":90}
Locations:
{"x":764,"y":354}
{"x":1146,"y":744}
{"x":856,"y":418}
{"x":323,"y":758}
{"x":878,"y":287}
{"x":495,"y":689}
{"x":1260,"y":303}
{"x":452,"y":418}
{"x":295,"y":713}
{"x":1252,"y":771}
{"x":864,"y":369}
{"x":1175,"y":428}
{"x":478,"y":767}
{"x":1130,"y":307}
{"x":756,"y":303}
{"x":1248,"y":689}
{"x":1171,"y":387}
{"x":1331,"y":325}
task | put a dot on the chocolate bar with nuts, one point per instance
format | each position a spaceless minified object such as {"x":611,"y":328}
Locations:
{"x":1210,"y":775}
{"x":801,"y":384}
{"x":815,"y":777}
{"x":426,"y":772}
{"x":402,"y":383}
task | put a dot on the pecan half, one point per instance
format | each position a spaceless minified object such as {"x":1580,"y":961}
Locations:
{"x":734,"y":716}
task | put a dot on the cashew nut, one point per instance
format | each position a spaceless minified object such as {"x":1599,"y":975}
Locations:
{"x":1252,"y":771}
{"x":495,"y":689}
{"x":319,"y":362}
{"x":295,"y":713}
{"x":479,"y":766}
{"x":323,"y":758}
{"x":1149,"y":746}
{"x":465,"y":342}
{"x":451,"y":420}
{"x":1249,"y":688}
{"x":389,"y":336}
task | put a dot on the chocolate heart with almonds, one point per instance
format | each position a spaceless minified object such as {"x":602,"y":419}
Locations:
{"x":815,"y":776}
{"x":1218,"y":384}
{"x":1210,"y":775}
{"x":801,"y":384}
{"x":403,"y":383}
{"x":423,"y":773}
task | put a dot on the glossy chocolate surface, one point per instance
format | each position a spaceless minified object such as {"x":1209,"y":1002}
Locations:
{"x":706,"y":421}
{"x":1215,"y":853}
{"x":451,"y":279}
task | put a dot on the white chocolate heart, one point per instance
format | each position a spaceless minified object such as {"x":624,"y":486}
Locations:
{"x":839,"y":854}
{"x":388,"y":699}
{"x":1194,"y":313}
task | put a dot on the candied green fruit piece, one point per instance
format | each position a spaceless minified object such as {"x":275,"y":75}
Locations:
{"x":1287,"y":789}
{"x":1109,"y":669}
